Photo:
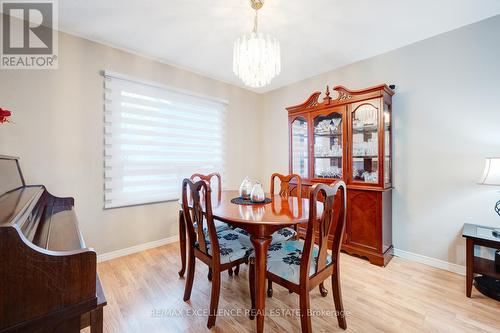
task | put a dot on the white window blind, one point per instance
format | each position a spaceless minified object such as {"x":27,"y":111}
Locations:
{"x":155,"y":137}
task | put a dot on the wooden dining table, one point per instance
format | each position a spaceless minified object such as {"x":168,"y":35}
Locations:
{"x":260,"y":221}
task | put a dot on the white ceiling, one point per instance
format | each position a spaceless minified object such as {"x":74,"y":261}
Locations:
{"x":316,"y":35}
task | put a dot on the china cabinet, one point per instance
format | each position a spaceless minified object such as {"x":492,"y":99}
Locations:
{"x":349,"y":138}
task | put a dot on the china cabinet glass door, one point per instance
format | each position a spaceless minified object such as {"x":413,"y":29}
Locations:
{"x":299,"y":147}
{"x":387,"y":145}
{"x":328,"y":146}
{"x":365,"y":159}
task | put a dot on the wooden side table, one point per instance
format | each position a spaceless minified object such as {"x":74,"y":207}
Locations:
{"x":489,"y":282}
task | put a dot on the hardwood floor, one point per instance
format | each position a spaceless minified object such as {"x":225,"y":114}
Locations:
{"x":144,"y":291}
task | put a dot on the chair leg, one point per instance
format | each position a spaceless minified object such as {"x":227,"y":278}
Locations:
{"x":323,"y":290}
{"x":237,"y":270}
{"x":305,"y":318}
{"x":251,"y":281}
{"x":209,"y":275}
{"x":337,"y":298}
{"x":269,"y":288}
{"x":190,"y":275}
{"x":214,"y":299}
{"x":182,"y":243}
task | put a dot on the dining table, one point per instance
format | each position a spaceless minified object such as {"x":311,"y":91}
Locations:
{"x":260,"y":221}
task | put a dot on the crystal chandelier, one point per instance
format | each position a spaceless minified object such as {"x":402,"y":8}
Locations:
{"x":256,"y":58}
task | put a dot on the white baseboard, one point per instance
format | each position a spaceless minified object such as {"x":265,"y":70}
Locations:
{"x":433,"y":262}
{"x":136,"y":248}
{"x":437,"y":263}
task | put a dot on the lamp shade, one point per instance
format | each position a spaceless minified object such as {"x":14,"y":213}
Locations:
{"x":491,"y":175}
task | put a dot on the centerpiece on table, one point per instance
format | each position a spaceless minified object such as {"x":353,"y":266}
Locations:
{"x":250,"y":193}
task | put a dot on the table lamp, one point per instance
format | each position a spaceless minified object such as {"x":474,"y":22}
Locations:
{"x":491,"y":176}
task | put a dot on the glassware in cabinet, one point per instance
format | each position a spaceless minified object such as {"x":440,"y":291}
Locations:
{"x":387,"y":145}
{"x":365,"y":159}
{"x":300,"y":147}
{"x":328,"y":149}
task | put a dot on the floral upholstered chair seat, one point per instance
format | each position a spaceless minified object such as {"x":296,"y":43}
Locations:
{"x":279,"y":236}
{"x":283,"y":235}
{"x":283,"y":260}
{"x":232,"y":245}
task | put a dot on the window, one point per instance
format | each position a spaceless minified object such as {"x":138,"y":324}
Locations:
{"x":154,"y":137}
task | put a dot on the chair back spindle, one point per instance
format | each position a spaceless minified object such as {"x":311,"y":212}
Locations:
{"x":286,"y":189}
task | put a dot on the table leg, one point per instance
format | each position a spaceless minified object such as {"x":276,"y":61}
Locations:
{"x":182,"y":243}
{"x":261,"y":245}
{"x":469,"y":266}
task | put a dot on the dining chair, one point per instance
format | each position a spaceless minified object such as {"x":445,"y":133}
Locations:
{"x":219,"y":225}
{"x":301,"y":265}
{"x":220,"y":251}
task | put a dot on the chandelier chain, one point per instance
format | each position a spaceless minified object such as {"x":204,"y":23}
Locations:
{"x":255,"y":21}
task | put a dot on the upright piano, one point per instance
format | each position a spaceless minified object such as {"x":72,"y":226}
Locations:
{"x":48,"y":277}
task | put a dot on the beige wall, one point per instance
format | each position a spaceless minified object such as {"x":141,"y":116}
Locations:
{"x":446,"y":114}
{"x":446,"y":120}
{"x":58,"y":133}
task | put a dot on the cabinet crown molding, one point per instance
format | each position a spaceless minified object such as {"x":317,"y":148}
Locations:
{"x":344,"y":96}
